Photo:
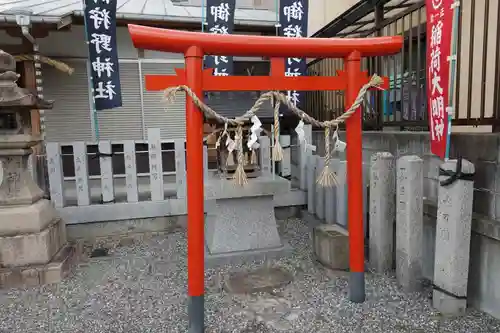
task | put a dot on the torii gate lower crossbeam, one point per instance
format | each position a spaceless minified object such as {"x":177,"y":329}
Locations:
{"x":195,"y":46}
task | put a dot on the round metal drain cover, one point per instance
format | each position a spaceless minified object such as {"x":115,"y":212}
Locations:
{"x":262,"y":279}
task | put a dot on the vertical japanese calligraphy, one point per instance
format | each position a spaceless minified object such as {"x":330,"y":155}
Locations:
{"x":100,"y":22}
{"x":439,"y":39}
{"x":220,"y":20}
{"x":293,"y":23}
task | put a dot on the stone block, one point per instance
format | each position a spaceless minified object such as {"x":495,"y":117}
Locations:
{"x":234,"y":225}
{"x":341,"y":195}
{"x":331,"y":198}
{"x":320,"y":190}
{"x":60,"y":266}
{"x":453,"y":234}
{"x":311,"y":183}
{"x":34,"y":275}
{"x":331,"y":246}
{"x":448,"y":305}
{"x":30,"y":277}
{"x":34,"y":248}
{"x":409,"y":222}
{"x":26,"y":219}
{"x":216,"y":188}
{"x":17,"y":186}
{"x":382,"y":211}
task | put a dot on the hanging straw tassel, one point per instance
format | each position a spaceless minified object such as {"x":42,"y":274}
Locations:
{"x":253,"y":158}
{"x":327,"y":177}
{"x":245,"y":159}
{"x":277,"y":150}
{"x":239,"y":175}
{"x":230,"y":158}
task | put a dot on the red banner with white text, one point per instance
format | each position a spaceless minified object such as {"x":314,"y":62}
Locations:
{"x":439,"y":39}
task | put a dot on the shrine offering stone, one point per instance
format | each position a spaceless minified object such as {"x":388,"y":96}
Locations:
{"x":331,"y":246}
{"x":241,"y":218}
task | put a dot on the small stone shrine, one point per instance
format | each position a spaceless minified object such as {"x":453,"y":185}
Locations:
{"x":33,"y":247}
{"x":227,"y":160}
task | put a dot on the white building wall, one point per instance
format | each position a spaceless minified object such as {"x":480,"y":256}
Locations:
{"x":322,"y":12}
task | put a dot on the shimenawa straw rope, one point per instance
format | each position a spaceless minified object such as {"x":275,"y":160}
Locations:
{"x":327,"y":176}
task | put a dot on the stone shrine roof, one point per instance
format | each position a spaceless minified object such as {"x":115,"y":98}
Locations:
{"x":52,"y":11}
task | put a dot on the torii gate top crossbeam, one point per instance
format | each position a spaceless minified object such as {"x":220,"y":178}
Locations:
{"x":167,"y":40}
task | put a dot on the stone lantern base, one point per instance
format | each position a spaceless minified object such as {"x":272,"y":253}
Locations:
{"x":33,"y":246}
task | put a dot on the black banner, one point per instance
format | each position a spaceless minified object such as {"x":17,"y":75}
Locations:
{"x":293,"y":23}
{"x":100,"y":23}
{"x":220,"y":20}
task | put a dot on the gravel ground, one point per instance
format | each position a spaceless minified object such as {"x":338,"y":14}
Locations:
{"x":142,"y":289}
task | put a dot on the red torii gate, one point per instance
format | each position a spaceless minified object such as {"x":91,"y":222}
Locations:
{"x":194,"y":46}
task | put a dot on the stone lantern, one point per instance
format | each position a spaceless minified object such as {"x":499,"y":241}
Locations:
{"x":33,"y":248}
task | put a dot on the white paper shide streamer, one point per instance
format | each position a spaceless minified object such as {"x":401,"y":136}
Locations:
{"x":339,"y":145}
{"x":301,"y":135}
{"x":230,"y":144}
{"x":255,"y":130}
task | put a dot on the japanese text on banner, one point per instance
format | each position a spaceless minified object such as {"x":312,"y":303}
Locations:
{"x":100,"y":20}
{"x":439,"y":35}
{"x":293,"y":21}
{"x":220,"y":20}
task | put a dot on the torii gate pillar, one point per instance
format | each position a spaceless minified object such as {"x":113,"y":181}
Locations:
{"x":194,"y":46}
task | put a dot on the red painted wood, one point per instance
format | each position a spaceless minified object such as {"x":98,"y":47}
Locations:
{"x":166,"y":40}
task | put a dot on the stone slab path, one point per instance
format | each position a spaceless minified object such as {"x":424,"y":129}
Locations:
{"x":142,"y":289}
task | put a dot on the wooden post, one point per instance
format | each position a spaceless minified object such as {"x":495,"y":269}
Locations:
{"x":355,"y":182}
{"x":195,"y":193}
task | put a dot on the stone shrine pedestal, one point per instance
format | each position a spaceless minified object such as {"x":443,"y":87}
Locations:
{"x":240,"y":223}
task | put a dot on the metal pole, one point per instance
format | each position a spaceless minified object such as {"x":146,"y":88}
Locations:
{"x":453,"y":66}
{"x":95,"y":119}
{"x":195,"y":193}
{"x":203,"y":15}
{"x":355,"y":182}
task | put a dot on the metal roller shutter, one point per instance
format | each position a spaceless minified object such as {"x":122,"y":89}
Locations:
{"x":235,"y":103}
{"x":69,"y":120}
{"x":169,"y":117}
{"x":124,"y":123}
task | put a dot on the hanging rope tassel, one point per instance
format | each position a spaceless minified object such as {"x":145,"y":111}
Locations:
{"x":240,"y":176}
{"x":253,"y":157}
{"x":277,"y":150}
{"x":245,"y":159}
{"x":327,"y":177}
{"x":230,"y":159}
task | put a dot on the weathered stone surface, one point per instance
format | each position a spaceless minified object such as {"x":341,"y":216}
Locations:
{"x":453,"y":234}
{"x":262,"y":279}
{"x":26,"y":219}
{"x":241,"y":224}
{"x":311,"y":183}
{"x":60,"y":266}
{"x":382,"y":211}
{"x":17,"y":186}
{"x":331,"y":246}
{"x":15,"y":96}
{"x":319,"y":198}
{"x":409,"y":222}
{"x":29,"y":276}
{"x":33,"y":248}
